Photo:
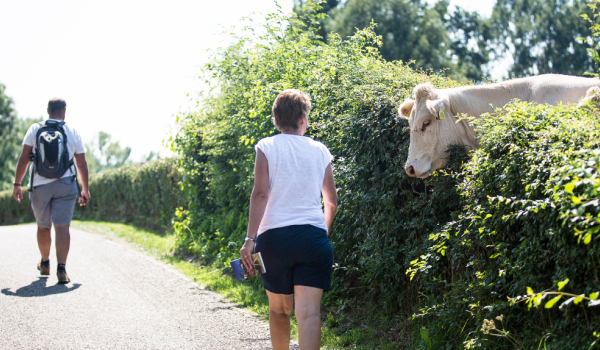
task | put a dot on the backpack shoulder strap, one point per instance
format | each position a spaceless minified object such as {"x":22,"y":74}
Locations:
{"x":37,"y":134}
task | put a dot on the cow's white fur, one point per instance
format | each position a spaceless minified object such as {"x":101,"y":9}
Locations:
{"x":428,"y":146}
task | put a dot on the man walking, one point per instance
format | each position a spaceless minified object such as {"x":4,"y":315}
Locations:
{"x":54,"y":148}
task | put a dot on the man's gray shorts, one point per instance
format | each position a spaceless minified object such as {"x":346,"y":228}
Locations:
{"x":54,"y":202}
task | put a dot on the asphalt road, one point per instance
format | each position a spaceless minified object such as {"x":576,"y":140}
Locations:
{"x":117,"y":299}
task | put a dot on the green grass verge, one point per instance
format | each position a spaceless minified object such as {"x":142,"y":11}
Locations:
{"x":162,"y":246}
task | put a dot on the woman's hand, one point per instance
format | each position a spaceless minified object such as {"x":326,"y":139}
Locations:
{"x":246,"y":253}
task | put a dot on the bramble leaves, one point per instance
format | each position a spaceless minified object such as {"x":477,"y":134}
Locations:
{"x":537,"y":175}
{"x":552,"y":301}
{"x":562,"y":284}
{"x":467,"y":238}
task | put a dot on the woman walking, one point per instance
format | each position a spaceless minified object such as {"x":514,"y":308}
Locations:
{"x":287,"y":222}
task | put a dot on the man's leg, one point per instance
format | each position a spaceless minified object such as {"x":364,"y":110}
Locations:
{"x":280,"y":308}
{"x":44,"y":239}
{"x":63,"y":242}
{"x":62,"y":207}
{"x":308,"y":314}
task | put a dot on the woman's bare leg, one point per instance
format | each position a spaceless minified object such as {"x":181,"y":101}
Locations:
{"x":280,"y":308}
{"x":308,"y":314}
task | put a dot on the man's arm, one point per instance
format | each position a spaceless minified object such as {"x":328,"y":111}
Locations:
{"x":21,"y":170}
{"x":82,"y":170}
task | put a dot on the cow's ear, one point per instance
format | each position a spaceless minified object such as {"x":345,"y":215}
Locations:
{"x":437,"y":108}
{"x":405,"y":108}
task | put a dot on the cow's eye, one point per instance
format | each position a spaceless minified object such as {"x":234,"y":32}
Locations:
{"x":425,"y":125}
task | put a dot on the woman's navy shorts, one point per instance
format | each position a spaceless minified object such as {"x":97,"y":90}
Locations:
{"x":299,"y":255}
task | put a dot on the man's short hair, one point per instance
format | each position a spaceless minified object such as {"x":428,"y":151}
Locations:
{"x":289,"y":108}
{"x":56,"y":105}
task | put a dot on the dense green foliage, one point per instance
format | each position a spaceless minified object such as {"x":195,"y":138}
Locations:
{"x":144,"y":194}
{"x":8,"y":118}
{"x":458,"y":41}
{"x":538,"y":36}
{"x":12,"y":212}
{"x":325,"y":8}
{"x":463,"y":262}
{"x":384,"y":216}
{"x":439,"y":263}
{"x":396,"y":20}
{"x":541,"y":36}
{"x":352,"y":88}
{"x":529,"y":218}
{"x":104,"y":154}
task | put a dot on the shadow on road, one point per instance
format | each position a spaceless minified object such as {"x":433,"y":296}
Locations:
{"x":39,"y":289}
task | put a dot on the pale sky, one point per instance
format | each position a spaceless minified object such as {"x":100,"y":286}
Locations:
{"x":483,"y":7}
{"x":123,"y":67}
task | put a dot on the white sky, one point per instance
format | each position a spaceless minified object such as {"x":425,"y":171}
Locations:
{"x":484,"y":7}
{"x":123,"y":67}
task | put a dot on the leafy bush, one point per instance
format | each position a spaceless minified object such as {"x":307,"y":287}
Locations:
{"x":529,"y":220}
{"x":468,"y":239}
{"x":384,"y":216}
{"x":145,"y":194}
{"x":13,"y":212}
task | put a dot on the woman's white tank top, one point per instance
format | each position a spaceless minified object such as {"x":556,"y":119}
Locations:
{"x":296,"y":172}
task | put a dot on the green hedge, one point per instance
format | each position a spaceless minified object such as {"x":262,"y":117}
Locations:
{"x":384,"y":216}
{"x":388,"y":224}
{"x":13,"y":212}
{"x":529,"y":218}
{"x":144,"y":194}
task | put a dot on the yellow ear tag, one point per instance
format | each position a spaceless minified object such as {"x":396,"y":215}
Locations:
{"x":441,"y":114}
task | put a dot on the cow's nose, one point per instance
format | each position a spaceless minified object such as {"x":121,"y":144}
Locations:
{"x":410,"y":170}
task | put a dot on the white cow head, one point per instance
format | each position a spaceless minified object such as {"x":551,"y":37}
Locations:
{"x":433,"y":129}
{"x":593,"y":94}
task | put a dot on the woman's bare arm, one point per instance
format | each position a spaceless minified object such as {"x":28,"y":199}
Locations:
{"x":329,"y":197}
{"x":258,"y":203}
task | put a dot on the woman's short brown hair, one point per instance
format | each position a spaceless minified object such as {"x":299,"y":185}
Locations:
{"x":289,"y":108}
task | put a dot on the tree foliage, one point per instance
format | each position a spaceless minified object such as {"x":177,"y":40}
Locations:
{"x":468,"y":238}
{"x":541,"y":36}
{"x":410,"y":30}
{"x":8,"y":140}
{"x":103,"y":154}
{"x":472,"y":43}
{"x":396,"y":22}
{"x":12,"y":132}
{"x":325,"y":8}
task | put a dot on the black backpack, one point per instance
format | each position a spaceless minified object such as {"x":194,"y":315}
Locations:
{"x":50,"y":155}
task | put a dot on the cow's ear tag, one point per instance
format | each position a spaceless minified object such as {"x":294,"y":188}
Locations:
{"x":441,"y":114}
